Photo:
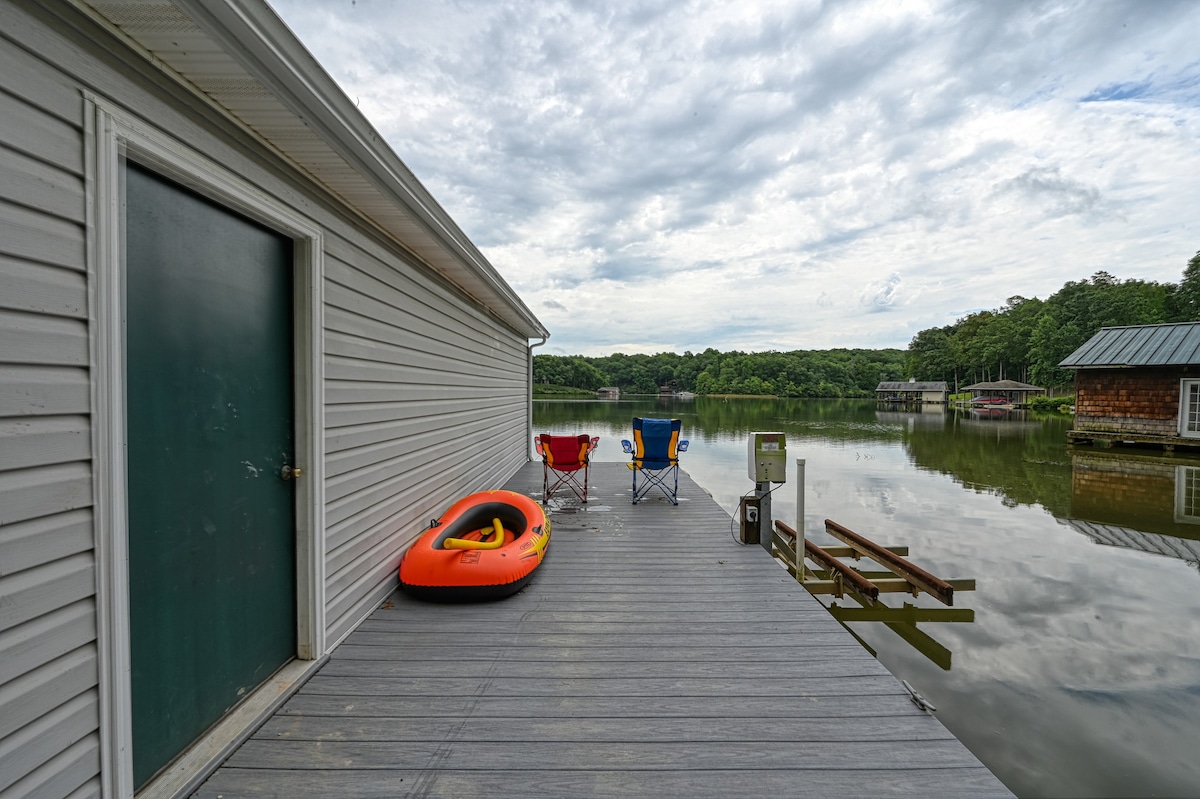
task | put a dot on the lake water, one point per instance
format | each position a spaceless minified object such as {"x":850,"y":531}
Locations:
{"x":1080,"y":674}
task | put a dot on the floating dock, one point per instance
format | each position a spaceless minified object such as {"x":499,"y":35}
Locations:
{"x":652,"y":655}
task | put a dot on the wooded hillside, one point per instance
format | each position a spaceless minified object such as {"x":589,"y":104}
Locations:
{"x":1025,"y":339}
{"x":800,"y":373}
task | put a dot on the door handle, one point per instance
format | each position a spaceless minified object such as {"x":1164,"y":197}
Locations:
{"x":287,"y":472}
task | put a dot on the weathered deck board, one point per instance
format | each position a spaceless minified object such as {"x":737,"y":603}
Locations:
{"x":523,"y":686}
{"x":440,"y":778}
{"x":581,"y":729}
{"x":597,"y":706}
{"x":652,"y":654}
{"x":583,"y":756}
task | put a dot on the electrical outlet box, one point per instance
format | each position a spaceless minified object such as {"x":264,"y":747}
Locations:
{"x":768,"y":458}
{"x":749,"y":520}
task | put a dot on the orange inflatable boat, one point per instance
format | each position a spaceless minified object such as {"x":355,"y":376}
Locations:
{"x":486,"y":546}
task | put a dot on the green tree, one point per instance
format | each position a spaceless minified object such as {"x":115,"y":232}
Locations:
{"x":1185,"y":304}
{"x":1049,"y":344}
{"x":1025,"y":339}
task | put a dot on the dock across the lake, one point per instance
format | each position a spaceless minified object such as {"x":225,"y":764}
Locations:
{"x":652,"y":655}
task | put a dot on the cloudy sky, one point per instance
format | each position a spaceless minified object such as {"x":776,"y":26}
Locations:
{"x":671,"y":175}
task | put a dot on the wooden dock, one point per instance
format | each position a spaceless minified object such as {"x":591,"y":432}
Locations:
{"x":1100,"y":438}
{"x":652,"y":655}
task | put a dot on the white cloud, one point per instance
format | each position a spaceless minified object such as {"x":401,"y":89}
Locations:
{"x":771,"y":175}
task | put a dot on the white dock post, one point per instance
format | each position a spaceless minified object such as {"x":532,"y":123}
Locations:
{"x":799,"y":520}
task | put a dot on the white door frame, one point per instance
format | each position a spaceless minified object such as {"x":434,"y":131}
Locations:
{"x":113,"y":135}
{"x":1184,"y":385}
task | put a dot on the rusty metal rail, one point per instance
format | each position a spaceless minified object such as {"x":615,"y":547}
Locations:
{"x":830,"y":576}
{"x":934,"y":586}
{"x":849,"y":577}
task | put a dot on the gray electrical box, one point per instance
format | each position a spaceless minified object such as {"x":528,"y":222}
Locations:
{"x":768,"y":458}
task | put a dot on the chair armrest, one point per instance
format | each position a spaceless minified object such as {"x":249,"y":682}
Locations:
{"x":625,"y":445}
{"x":537,"y":445}
{"x":683,"y":446}
{"x":592,"y":445}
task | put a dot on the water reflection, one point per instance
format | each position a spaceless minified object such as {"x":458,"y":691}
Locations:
{"x":1018,"y":457}
{"x":903,"y":622}
{"x":1081,"y":673}
{"x":931,"y":416}
{"x":1150,"y":504}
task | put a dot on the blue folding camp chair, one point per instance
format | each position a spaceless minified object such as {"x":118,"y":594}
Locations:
{"x":655,"y":450}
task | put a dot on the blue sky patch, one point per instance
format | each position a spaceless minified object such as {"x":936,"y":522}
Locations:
{"x":1118,"y":91}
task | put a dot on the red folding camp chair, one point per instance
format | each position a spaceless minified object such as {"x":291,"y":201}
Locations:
{"x":563,"y":458}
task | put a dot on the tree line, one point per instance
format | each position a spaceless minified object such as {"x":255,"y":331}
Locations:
{"x":799,"y":373}
{"x":1026,"y":339}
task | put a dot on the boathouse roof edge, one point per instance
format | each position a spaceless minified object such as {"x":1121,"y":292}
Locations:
{"x":242,"y":59}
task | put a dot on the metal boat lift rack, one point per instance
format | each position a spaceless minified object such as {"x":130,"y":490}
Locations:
{"x":828,"y":574}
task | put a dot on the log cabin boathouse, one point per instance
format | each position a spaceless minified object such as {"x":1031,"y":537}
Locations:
{"x":1138,"y":385}
{"x":245,"y":356}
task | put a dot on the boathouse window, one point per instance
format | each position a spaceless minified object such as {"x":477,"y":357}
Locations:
{"x":1189,"y":411}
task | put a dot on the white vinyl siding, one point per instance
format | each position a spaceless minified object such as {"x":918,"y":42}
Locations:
{"x":425,"y":390}
{"x":425,"y":395}
{"x":49,"y":700}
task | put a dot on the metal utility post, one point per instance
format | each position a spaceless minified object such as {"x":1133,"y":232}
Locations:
{"x":767,"y":463}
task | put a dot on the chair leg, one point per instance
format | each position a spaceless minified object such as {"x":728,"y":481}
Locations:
{"x":571,"y":480}
{"x":563,"y":479}
{"x":657,"y":479}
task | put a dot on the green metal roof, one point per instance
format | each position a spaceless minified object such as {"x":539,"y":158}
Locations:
{"x":911,"y":386}
{"x":1002,"y":385}
{"x":1139,"y":345}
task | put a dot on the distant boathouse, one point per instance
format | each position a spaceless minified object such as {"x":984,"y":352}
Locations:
{"x":1003,"y":392}
{"x":912,"y":391}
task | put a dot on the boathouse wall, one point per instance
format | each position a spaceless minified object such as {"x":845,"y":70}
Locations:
{"x":1143,"y":401}
{"x":420,"y":390}
{"x":49,"y":659}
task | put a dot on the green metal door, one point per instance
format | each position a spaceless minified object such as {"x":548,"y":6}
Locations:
{"x":212,"y":563}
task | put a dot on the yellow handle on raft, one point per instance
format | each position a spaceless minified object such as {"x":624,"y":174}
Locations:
{"x":461,"y":543}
